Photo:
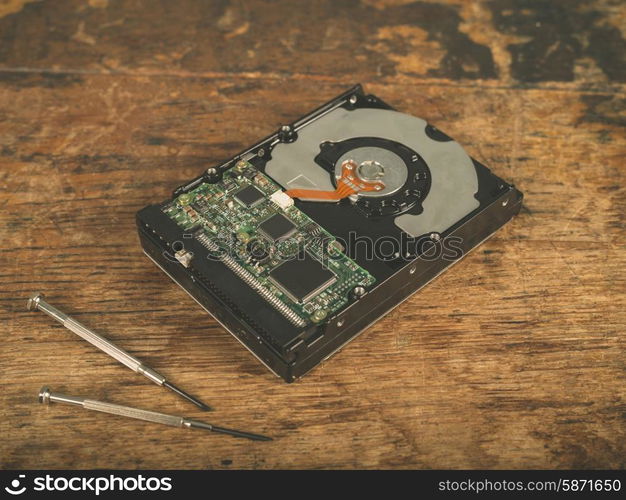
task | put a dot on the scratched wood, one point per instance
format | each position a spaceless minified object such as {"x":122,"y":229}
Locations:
{"x":515,"y":358}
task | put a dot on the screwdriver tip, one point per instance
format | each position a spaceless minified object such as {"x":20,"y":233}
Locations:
{"x":187,"y":396}
{"x":230,"y":432}
{"x":263,"y":438}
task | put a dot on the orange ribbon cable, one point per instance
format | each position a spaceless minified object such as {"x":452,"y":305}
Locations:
{"x":348,"y":184}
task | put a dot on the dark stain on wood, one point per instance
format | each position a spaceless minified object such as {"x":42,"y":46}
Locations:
{"x":560,"y":33}
{"x":234,"y":37}
{"x":50,"y":80}
{"x":602,"y":108}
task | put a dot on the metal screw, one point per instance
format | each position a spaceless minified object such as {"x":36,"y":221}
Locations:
{"x":260,"y":153}
{"x":319,"y":315}
{"x":353,"y":99}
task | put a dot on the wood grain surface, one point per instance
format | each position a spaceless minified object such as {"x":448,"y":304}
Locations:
{"x":515,"y":358}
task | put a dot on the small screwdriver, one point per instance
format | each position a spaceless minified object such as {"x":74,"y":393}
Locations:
{"x":37,"y":302}
{"x":46,"y":397}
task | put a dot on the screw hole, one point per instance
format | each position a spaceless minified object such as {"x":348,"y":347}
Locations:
{"x":505,"y":202}
{"x":341,"y":322}
{"x":412,"y":270}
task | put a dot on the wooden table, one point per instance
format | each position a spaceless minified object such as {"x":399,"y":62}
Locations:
{"x":513,"y":358}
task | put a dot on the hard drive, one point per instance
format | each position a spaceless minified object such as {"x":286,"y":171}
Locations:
{"x":300,"y":242}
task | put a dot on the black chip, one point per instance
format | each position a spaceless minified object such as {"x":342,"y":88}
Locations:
{"x":277,"y":227}
{"x":302,"y":278}
{"x":249,"y":196}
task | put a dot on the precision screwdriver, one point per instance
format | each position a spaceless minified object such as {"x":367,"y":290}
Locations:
{"x":37,"y":302}
{"x":46,"y":397}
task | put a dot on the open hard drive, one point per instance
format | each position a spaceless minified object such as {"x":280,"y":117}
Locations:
{"x":300,"y":242}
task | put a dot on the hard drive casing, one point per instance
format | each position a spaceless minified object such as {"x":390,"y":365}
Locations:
{"x":287,"y":350}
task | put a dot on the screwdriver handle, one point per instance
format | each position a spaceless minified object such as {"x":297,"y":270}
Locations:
{"x":102,"y":343}
{"x":112,"y":350}
{"x":125,"y":411}
{"x":46,"y":396}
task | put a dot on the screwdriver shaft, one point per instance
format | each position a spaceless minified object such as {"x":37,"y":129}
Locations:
{"x":46,"y":396}
{"x":37,"y":302}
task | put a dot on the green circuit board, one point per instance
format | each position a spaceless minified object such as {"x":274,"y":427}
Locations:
{"x":256,"y":230}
